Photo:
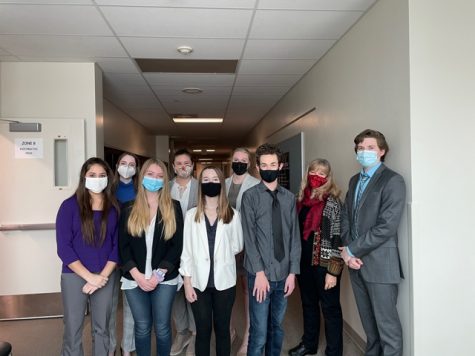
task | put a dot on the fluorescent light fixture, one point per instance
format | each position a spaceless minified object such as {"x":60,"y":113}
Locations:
{"x":197,"y":120}
{"x":210,"y":150}
{"x":205,"y":159}
{"x":197,"y":150}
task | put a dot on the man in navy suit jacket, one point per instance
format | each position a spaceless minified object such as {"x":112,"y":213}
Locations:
{"x":369,"y":221}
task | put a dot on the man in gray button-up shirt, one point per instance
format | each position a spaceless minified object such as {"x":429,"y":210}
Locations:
{"x":270,"y":279}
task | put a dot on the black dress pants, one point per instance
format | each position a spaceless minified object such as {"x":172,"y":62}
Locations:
{"x":213,"y":308}
{"x":313,"y":294}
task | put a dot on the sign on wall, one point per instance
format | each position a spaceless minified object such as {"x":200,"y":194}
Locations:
{"x":28,"y":148}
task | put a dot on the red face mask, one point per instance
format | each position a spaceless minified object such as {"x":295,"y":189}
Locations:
{"x":315,"y":181}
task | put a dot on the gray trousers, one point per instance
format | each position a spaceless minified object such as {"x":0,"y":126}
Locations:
{"x":377,"y":308}
{"x":128,"y":337}
{"x":74,"y":305}
{"x":182,"y":313}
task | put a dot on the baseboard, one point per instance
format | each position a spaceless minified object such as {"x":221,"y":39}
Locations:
{"x":351,"y":333}
{"x":31,"y":306}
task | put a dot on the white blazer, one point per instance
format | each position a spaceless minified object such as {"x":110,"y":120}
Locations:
{"x":247,"y":183}
{"x":195,"y":258}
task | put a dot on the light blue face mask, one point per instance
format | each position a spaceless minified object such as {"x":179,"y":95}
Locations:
{"x":367,"y":158}
{"x":152,"y":184}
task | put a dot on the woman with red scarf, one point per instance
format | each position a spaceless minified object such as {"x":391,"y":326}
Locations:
{"x":318,"y":207}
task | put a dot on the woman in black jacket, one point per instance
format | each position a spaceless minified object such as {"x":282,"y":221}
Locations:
{"x":150,"y":245}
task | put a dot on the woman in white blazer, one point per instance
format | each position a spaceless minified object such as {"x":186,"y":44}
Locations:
{"x":212,"y":237}
{"x":236,"y":185}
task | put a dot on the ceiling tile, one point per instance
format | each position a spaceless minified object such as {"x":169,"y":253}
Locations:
{"x":282,"y":66}
{"x":55,"y":2}
{"x":166,"y":22}
{"x":8,"y":58}
{"x":61,"y":46}
{"x":124,"y":80}
{"x":286,"y":49}
{"x":361,"y":5}
{"x":260,"y":90}
{"x":266,"y":80}
{"x":177,"y":91}
{"x":52,"y":20}
{"x":274,"y":24}
{"x":117,"y":65}
{"x":189,"y":80}
{"x":143,"y":47}
{"x":241,"y":4}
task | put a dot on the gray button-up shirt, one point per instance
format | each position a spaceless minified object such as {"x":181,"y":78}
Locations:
{"x":256,"y":216}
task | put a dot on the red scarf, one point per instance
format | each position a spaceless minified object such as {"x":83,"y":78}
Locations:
{"x":314,"y":215}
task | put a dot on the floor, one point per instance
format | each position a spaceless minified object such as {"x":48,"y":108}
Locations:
{"x":42,"y":337}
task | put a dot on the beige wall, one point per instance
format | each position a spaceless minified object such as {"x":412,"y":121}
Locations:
{"x":443,"y":175}
{"x":363,"y":82}
{"x":123,"y":133}
{"x":42,"y":90}
{"x":162,"y":148}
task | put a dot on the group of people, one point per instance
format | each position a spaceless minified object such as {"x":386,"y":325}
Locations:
{"x":177,"y":248}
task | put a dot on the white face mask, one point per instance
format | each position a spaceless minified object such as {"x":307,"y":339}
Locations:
{"x":185,"y":172}
{"x":126,"y":172}
{"x":96,"y":185}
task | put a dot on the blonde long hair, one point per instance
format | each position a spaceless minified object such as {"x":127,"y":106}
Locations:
{"x":329,"y":188}
{"x":139,"y":216}
{"x":225,"y":212}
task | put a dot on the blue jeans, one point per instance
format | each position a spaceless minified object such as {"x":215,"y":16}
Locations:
{"x":266,"y":320}
{"x":152,"y":308}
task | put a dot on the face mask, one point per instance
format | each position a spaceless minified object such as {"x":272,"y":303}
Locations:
{"x":367,"y":158}
{"x":269,"y":175}
{"x":239,"y":168}
{"x":152,"y":184}
{"x":211,"y":189}
{"x":96,"y":185}
{"x":185,"y":172}
{"x":316,"y":181}
{"x":126,"y":172}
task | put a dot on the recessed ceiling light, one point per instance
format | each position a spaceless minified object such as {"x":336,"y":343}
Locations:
{"x":192,"y":90}
{"x":184,"y":50}
{"x":209,"y":150}
{"x":205,"y":159}
{"x":200,"y":120}
{"x":197,"y":150}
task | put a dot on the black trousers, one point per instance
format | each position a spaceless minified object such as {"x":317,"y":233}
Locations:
{"x":313,"y":294}
{"x":213,"y":308}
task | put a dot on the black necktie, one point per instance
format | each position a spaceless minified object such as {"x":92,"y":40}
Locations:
{"x":277,"y":227}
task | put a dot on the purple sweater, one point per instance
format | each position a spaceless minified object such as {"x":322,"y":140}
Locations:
{"x":71,"y":245}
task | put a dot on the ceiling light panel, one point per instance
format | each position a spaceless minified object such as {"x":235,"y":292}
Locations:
{"x":143,"y":47}
{"x":52,"y":19}
{"x":328,"y":25}
{"x":178,"y":22}
{"x":241,"y":4}
{"x":327,"y":5}
{"x":186,"y":65}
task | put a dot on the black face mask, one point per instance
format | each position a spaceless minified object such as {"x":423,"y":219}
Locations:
{"x":269,"y":175}
{"x":211,"y":189}
{"x":239,"y":168}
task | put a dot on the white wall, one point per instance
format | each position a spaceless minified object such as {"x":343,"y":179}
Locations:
{"x":123,"y":133}
{"x":362,"y":82}
{"x":42,"y":90}
{"x":442,"y":57}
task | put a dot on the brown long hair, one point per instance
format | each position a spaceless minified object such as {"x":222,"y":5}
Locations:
{"x":135,"y":178}
{"x":85,"y":207}
{"x":225,"y":212}
{"x":139,"y":216}
{"x":329,"y":188}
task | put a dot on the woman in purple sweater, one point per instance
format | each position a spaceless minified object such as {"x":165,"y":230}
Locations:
{"x":87,"y":238}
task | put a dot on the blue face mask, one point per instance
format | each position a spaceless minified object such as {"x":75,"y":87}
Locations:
{"x":367,"y":158}
{"x":152,"y":184}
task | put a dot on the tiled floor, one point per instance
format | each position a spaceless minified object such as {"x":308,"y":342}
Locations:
{"x":42,"y":337}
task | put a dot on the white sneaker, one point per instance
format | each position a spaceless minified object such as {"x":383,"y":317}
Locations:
{"x":181,"y":341}
{"x":190,"y":351}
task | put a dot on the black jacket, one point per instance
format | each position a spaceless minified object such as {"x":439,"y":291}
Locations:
{"x":165,"y":254}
